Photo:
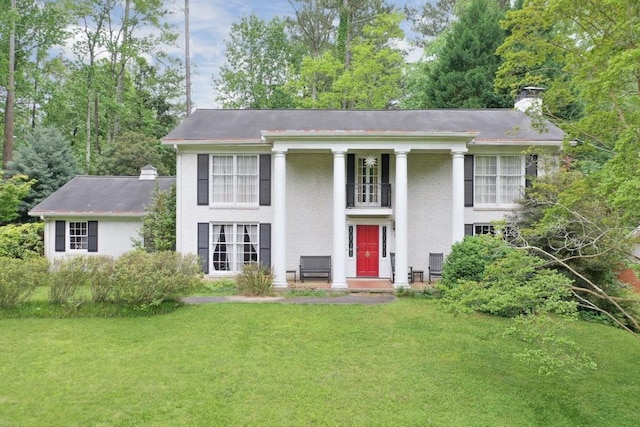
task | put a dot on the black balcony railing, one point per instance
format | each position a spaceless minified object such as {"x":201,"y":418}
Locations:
{"x":369,"y":195}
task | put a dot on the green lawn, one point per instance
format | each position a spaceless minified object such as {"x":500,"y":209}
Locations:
{"x":405,"y":363}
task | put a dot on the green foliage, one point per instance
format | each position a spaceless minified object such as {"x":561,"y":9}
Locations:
{"x":20,"y":278}
{"x":549,"y":347}
{"x":22,"y":241}
{"x":469,"y":258}
{"x":513,"y":285}
{"x":462,"y":74}
{"x":12,"y":191}
{"x":143,"y":279}
{"x":68,"y":278}
{"x":46,"y":157}
{"x":255,"y":279}
{"x":158,"y":231}
{"x":561,"y":216}
{"x":130,"y":152}
{"x":259,"y":62}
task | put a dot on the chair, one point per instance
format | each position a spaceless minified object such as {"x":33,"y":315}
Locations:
{"x":435,"y":265}
{"x":393,"y":269}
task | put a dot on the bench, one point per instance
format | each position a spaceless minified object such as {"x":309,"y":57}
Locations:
{"x":316,"y":266}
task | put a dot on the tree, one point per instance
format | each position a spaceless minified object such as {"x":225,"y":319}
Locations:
{"x":12,"y":191}
{"x":25,"y":38}
{"x":462,"y":74}
{"x":373,"y":78}
{"x":158,"y":231}
{"x":260,"y":60}
{"x":46,"y":157}
{"x":130,"y":152}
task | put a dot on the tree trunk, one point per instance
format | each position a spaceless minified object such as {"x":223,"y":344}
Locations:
{"x":187,"y":55}
{"x":7,"y":149}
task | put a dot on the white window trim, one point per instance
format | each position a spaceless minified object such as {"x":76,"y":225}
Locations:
{"x":230,"y":241}
{"x":86,"y":236}
{"x":235,"y":203}
{"x":480,"y":205}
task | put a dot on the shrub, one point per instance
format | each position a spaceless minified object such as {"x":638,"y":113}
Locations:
{"x":255,"y":279}
{"x":515,"y":285}
{"x":469,"y":258}
{"x":22,"y":241}
{"x":68,"y":276}
{"x":100,"y":272}
{"x":20,"y":278}
{"x":143,"y":279}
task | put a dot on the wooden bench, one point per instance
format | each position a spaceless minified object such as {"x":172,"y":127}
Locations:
{"x":316,"y":266}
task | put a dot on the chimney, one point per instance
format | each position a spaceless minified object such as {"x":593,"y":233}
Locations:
{"x":529,"y":100}
{"x":148,"y":173}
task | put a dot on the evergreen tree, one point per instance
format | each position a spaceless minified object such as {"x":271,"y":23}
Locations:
{"x":158,"y":230}
{"x":463,"y":72}
{"x":46,"y":157}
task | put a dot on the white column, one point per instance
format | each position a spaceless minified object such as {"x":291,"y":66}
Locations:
{"x":339,"y":256}
{"x":457,"y":196}
{"x":402,"y":221}
{"x":279,"y":231}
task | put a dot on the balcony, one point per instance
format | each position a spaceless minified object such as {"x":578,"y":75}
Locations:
{"x":363,"y":196}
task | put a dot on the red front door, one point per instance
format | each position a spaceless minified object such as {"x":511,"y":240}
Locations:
{"x":367,"y":251}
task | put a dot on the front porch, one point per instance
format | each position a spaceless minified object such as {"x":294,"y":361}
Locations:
{"x":368,"y":285}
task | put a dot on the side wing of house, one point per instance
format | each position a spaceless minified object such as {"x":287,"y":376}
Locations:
{"x":97,"y":215}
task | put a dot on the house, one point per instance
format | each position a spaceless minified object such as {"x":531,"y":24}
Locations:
{"x":273,"y":185}
{"x":97,"y":214}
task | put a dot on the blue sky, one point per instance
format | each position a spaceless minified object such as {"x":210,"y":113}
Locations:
{"x":210,"y":22}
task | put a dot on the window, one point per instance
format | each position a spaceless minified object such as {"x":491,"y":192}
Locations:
{"x":234,"y":245}
{"x":78,"y":236}
{"x":499,"y":180}
{"x":368,"y":181}
{"x":483,"y":229}
{"x":235,"y":179}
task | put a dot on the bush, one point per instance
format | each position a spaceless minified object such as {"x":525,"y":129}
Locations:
{"x":20,"y":278}
{"x":100,"y":271}
{"x":515,"y":285}
{"x":143,"y":279}
{"x":255,"y":279}
{"x":469,"y":258}
{"x":22,"y":241}
{"x":68,"y":276}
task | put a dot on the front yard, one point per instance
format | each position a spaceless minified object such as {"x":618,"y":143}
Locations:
{"x":404,"y":363}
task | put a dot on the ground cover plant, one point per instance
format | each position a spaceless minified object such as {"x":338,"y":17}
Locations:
{"x":405,"y":363}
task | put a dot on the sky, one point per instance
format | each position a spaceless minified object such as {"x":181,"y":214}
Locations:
{"x":210,"y":22}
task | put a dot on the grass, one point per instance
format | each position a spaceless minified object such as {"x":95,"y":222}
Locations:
{"x":406,"y":363}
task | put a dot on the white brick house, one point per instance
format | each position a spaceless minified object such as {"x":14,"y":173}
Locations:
{"x":272,"y":185}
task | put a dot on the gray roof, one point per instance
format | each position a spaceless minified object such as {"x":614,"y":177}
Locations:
{"x":228,"y":125}
{"x":101,"y":195}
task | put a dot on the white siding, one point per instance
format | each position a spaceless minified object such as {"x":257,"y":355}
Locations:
{"x":115,"y":236}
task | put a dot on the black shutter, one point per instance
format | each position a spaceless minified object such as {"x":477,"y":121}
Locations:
{"x":468,"y":181}
{"x":531,"y":170}
{"x":203,"y":179}
{"x":92,"y":244}
{"x":203,"y":245}
{"x":386,"y":193}
{"x":265,"y":244}
{"x":61,"y":227}
{"x":468,"y":229}
{"x":265,"y":180}
{"x":351,"y":180}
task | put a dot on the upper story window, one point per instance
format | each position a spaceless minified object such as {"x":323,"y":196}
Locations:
{"x":235,"y":179}
{"x":499,"y":180}
{"x":78,"y":236}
